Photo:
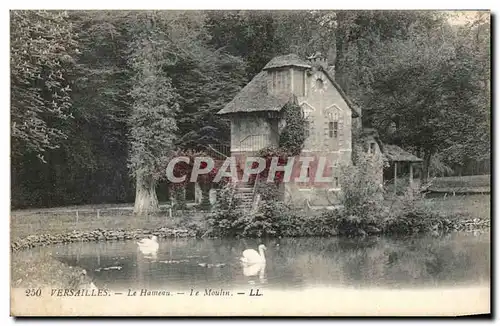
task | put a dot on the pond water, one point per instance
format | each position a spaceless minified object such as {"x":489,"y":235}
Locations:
{"x":458,"y":259}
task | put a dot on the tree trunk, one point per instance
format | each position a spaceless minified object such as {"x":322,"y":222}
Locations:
{"x":425,"y":168}
{"x":146,"y":201}
{"x":205,"y":196}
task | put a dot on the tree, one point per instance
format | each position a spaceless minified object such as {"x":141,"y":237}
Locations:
{"x":358,"y":32}
{"x":472,"y":43}
{"x":426,"y":86}
{"x":43,"y":50}
{"x":205,"y":79}
{"x":306,"y":32}
{"x":99,"y":148}
{"x":246,"y":34}
{"x":90,"y":163}
{"x":152,"y":121}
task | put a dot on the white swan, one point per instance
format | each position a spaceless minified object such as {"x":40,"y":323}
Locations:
{"x":254,"y":270}
{"x":250,"y":256}
{"x":148,"y":246}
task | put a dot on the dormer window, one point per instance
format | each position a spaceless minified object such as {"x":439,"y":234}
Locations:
{"x":307,"y":110}
{"x":281,"y":80}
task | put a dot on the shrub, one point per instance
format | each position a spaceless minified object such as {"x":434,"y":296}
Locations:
{"x":409,"y":214}
{"x":272,"y":219}
{"x":363,"y":212}
{"x":269,"y":191}
{"x":228,"y":221}
{"x":225,"y":219}
{"x":267,"y":220}
{"x":362,"y":193}
{"x":324,"y":224}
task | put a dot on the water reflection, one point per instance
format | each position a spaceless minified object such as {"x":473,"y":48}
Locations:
{"x":460,"y":258}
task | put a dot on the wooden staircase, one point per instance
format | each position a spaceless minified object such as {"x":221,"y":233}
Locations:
{"x":244,"y":193}
{"x":245,"y":196}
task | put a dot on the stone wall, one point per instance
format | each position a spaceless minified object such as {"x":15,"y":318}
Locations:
{"x":101,"y":235}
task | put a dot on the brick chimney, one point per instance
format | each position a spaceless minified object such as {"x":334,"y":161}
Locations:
{"x":317,"y":60}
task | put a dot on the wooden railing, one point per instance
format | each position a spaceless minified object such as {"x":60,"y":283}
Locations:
{"x":217,"y":151}
{"x":253,"y":143}
{"x":255,"y":195}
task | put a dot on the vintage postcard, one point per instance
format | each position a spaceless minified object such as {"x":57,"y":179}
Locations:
{"x":250,"y":163}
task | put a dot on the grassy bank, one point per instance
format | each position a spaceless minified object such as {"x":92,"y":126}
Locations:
{"x":25,"y":223}
{"x":476,"y":206}
{"x":41,"y":270}
{"x":470,"y":181}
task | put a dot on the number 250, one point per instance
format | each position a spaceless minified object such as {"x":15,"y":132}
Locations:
{"x":33,"y":292}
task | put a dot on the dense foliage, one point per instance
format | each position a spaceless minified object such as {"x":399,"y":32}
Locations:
{"x":43,"y":47}
{"x":293,"y":135}
{"x":362,"y":191}
{"x":422,"y":80}
{"x":408,"y":215}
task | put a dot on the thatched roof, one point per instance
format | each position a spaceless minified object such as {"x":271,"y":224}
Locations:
{"x":287,"y":61}
{"x":395,"y":153}
{"x":254,"y":96}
